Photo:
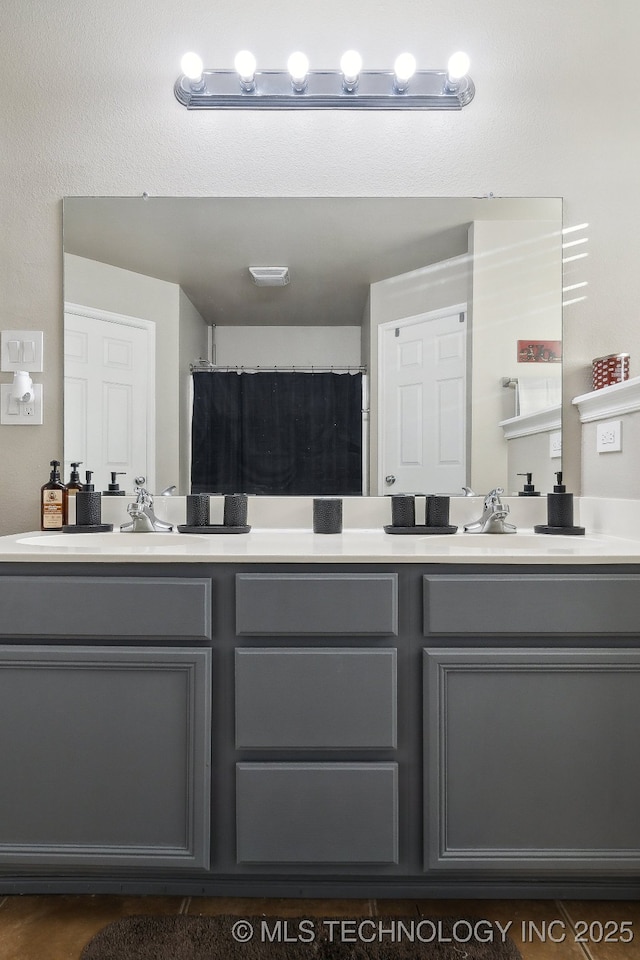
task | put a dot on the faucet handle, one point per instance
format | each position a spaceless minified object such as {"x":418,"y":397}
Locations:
{"x":493,"y":497}
{"x":143,"y":496}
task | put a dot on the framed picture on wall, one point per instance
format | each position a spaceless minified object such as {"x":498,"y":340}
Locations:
{"x":539,"y":351}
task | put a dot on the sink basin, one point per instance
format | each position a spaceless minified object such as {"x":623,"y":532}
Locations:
{"x":116,"y":540}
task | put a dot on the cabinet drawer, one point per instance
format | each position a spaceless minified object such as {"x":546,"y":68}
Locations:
{"x":315,"y":699}
{"x":105,"y":607}
{"x":317,"y":812}
{"x":477,"y":605}
{"x":308,"y":604}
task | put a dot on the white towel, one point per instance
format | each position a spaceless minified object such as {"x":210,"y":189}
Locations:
{"x":538,"y":393}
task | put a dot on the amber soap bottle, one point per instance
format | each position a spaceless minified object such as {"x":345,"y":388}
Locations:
{"x":53,"y":501}
{"x":72,"y":488}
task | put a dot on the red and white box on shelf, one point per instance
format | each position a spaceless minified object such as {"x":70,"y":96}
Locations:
{"x":609,"y":370}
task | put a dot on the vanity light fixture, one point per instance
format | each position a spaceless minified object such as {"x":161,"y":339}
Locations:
{"x":350,"y":87}
{"x":270,"y":276}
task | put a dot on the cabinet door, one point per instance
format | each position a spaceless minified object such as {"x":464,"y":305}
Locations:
{"x":532,"y":760}
{"x":105,"y":756}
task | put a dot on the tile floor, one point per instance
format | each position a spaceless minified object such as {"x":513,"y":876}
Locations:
{"x":57,"y":927}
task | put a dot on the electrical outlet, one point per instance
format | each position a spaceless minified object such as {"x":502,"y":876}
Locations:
{"x":609,"y":436}
{"x":14,"y":413}
{"x":555,"y":444}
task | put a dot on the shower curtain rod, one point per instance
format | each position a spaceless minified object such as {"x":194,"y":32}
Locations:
{"x":206,"y":367}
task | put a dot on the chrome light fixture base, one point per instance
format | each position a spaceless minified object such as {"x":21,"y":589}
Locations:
{"x":324,"y":90}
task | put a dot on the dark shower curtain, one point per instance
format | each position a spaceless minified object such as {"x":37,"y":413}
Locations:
{"x":277,"y":433}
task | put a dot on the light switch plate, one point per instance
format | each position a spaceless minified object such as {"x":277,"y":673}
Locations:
{"x":609,"y":436}
{"x":21,"y":350}
{"x":555,"y":444}
{"x":17,"y":414}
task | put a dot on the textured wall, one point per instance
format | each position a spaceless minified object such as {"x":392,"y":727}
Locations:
{"x":88,"y":108}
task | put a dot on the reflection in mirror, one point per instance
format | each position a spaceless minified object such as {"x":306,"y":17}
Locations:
{"x":433,"y":303}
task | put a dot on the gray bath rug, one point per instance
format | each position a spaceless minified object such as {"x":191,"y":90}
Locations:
{"x":273,"y":938}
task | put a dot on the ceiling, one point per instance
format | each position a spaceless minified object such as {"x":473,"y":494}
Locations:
{"x":334,"y":247}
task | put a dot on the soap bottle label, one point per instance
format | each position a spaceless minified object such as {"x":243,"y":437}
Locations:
{"x":52,"y":509}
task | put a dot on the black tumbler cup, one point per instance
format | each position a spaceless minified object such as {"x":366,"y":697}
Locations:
{"x":235,"y":510}
{"x":437,"y":511}
{"x":403,"y":510}
{"x":197,"y":510}
{"x":327,"y":515}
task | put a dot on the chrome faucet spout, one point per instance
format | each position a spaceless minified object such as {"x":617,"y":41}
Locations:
{"x":494,"y":514}
{"x":143,"y":518}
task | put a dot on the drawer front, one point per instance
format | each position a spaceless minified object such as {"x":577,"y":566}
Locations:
{"x":477,"y":605}
{"x":317,"y":813}
{"x":317,"y":604}
{"x":315,"y":699}
{"x":105,"y":607}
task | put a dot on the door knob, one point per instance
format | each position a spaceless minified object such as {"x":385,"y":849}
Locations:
{"x":390,"y":479}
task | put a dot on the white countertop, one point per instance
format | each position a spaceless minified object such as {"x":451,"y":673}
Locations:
{"x":303,"y":546}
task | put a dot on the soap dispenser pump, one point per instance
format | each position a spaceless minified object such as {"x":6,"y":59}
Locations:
{"x":528,"y":489}
{"x":559,"y":512}
{"x":114,"y":487}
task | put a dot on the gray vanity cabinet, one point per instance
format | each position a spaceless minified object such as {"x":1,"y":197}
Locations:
{"x":105,"y":757}
{"x":531,"y":761}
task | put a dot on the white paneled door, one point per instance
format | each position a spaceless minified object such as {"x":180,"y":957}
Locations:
{"x":109,"y":383}
{"x":423,"y":403}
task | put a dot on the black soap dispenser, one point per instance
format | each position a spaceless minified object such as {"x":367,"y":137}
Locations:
{"x":528,"y":490}
{"x":88,"y":510}
{"x":559,"y":512}
{"x":114,"y":487}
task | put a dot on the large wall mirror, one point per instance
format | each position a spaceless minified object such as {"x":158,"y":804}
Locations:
{"x":438,"y":320}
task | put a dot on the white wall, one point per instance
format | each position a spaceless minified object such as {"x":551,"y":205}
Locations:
{"x":87,"y":108}
{"x":273,"y":346}
{"x":526,"y":255}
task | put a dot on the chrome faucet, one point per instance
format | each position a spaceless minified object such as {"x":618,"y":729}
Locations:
{"x":143,"y":518}
{"x":493,"y":516}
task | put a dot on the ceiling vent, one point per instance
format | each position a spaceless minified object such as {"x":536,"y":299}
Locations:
{"x":270,"y":276}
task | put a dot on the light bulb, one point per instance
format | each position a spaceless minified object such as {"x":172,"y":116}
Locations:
{"x":245,"y":65}
{"x":404,"y":68}
{"x":298,"y":67}
{"x":351,"y":65}
{"x":458,"y":66}
{"x":191,"y":66}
